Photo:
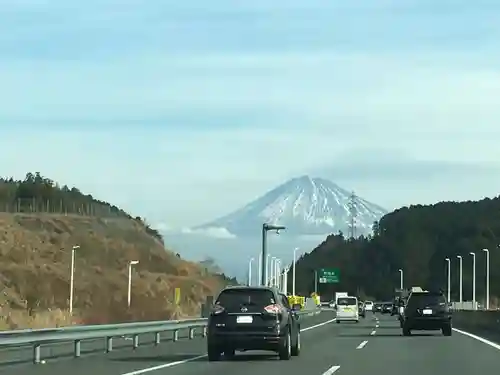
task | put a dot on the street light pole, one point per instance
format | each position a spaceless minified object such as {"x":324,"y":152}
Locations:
{"x":259,"y":276}
{"x":72,"y":278}
{"x":265,"y":228}
{"x":271,"y":271}
{"x":473,"y":279}
{"x":129,"y":294}
{"x":293,"y":271}
{"x":401,"y":278}
{"x":487,"y":278}
{"x":460,"y":278}
{"x":250,"y":272}
{"x":449,"y":278}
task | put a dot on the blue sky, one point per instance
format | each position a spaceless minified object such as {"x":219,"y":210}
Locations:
{"x":181,"y":111}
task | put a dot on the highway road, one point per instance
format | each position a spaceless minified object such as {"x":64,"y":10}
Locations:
{"x":373,"y":346}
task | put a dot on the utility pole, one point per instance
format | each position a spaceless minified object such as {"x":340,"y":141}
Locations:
{"x":353,"y":212}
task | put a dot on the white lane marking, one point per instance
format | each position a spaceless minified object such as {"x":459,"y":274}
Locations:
{"x":176,"y":363}
{"x":362,"y":345}
{"x":377,"y":325}
{"x":373,"y":332}
{"x":331,"y":370}
{"x":165,"y":365}
{"x":478,"y":338}
{"x":318,"y":325}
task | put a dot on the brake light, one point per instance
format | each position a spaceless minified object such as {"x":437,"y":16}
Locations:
{"x":273,"y":309}
{"x":217,"y":309}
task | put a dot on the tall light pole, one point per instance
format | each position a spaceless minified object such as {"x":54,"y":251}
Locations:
{"x":250,"y":271}
{"x":129,"y":295}
{"x":487,"y":278}
{"x":285,"y":281}
{"x":278,"y":274}
{"x":265,"y":228}
{"x":271,"y":271}
{"x":293,"y":271}
{"x":460,"y":260}
{"x":268,"y":266}
{"x":259,"y":276}
{"x":449,"y":279}
{"x":401,"y":278}
{"x":72,"y":278}
{"x":473,"y":279}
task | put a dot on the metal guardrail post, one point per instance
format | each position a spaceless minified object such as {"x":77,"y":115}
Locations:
{"x":175,"y":335}
{"x":36,"y":354}
{"x":191,"y":333}
{"x":77,"y":348}
{"x":109,"y":344}
{"x":157,"y":338}
{"x":136,"y":341}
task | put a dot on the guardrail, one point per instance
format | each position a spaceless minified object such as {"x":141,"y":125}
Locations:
{"x":76,"y":334}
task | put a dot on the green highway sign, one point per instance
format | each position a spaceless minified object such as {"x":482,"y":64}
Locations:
{"x":328,"y":276}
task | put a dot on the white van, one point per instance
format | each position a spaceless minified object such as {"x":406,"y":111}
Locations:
{"x":369,"y":306}
{"x":347,"y":309}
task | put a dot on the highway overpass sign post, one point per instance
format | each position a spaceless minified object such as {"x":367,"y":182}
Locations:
{"x":328,"y":276}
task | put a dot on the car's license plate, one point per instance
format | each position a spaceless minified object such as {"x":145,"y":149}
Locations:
{"x":244,"y":319}
{"x":427,"y":312}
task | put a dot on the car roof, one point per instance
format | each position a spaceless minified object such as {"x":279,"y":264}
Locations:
{"x":247,"y":287}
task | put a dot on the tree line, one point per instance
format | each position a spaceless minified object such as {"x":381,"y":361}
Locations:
{"x":37,"y":194}
{"x":417,"y":240}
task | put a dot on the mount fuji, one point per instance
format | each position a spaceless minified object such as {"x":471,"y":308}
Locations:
{"x":305,"y":206}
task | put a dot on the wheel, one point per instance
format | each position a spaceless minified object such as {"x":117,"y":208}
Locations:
{"x":285,"y":349}
{"x":213,"y":353}
{"x":296,"y":348}
{"x":338,"y":321}
{"x":357,"y":321}
{"x":229,"y":353}
{"x":447,"y":331}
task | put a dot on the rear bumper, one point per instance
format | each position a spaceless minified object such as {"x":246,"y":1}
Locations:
{"x":427,"y":323}
{"x":245,"y":340}
{"x":347,"y":318}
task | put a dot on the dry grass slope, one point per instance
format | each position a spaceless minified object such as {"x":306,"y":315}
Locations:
{"x":34,"y":272}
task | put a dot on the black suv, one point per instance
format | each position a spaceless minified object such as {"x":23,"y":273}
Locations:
{"x":426,"y":311}
{"x":252,"y":318}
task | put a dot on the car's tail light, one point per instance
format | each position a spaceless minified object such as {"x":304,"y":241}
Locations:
{"x":217,"y":309}
{"x":273,"y":309}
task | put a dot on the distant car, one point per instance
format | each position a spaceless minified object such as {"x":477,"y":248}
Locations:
{"x":427,"y":311}
{"x":361,"y":309}
{"x":368,"y":306}
{"x":347,"y":309}
{"x":252,"y":318}
{"x":377,"y":307}
{"x":387,"y":308}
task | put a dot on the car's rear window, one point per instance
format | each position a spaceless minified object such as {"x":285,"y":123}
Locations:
{"x":346,"y":301}
{"x":421,"y":299}
{"x":254,"y":297}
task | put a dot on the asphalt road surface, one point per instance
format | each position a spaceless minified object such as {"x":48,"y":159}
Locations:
{"x":375,"y":345}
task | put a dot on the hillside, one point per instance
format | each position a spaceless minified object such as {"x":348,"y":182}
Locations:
{"x":416,"y":239}
{"x":41,"y":223}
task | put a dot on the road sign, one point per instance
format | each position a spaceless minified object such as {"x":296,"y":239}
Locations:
{"x":328,"y":276}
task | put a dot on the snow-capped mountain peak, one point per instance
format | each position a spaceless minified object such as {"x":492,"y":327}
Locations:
{"x":306,"y":206}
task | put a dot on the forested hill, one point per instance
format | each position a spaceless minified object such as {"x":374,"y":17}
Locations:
{"x":416,"y":239}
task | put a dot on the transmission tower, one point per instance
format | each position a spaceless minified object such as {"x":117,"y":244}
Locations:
{"x":353,"y":213}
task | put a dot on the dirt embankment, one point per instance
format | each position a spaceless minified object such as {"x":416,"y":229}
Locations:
{"x":35,"y":252}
